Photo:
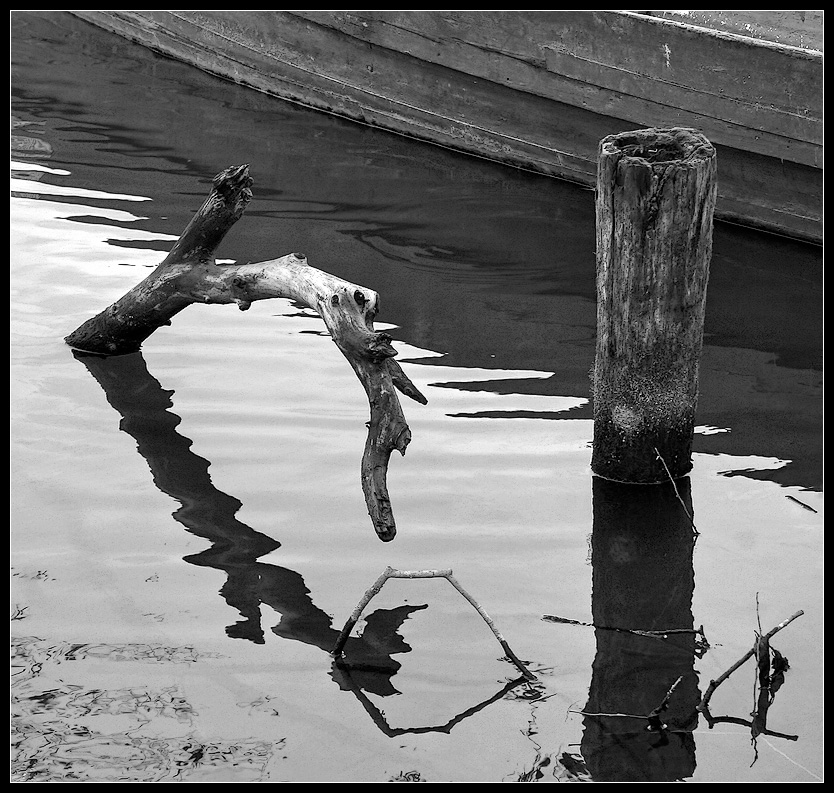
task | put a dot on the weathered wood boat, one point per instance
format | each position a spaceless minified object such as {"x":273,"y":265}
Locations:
{"x":539,"y":89}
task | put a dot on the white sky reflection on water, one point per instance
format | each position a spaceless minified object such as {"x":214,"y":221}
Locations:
{"x":67,"y":237}
{"x":44,"y":188}
{"x":33,"y":166}
{"x":55,"y":249}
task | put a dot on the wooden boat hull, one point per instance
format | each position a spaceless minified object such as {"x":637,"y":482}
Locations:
{"x":532,"y":89}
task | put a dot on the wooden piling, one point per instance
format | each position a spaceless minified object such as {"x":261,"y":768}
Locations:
{"x":656,"y":191}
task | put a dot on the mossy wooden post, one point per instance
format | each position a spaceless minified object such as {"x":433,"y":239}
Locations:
{"x":656,"y":192}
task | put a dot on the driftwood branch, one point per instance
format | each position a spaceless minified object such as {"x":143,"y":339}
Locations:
{"x":390,"y":572}
{"x":190,"y":274}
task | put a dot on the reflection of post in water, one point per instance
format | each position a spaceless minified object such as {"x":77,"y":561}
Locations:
{"x":235,"y":547}
{"x":643,"y":580}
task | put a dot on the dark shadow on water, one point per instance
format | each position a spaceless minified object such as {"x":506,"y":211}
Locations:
{"x":235,"y":548}
{"x":643,"y":580}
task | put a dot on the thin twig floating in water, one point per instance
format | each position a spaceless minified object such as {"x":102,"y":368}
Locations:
{"x":655,"y":723}
{"x":802,"y":504}
{"x":677,"y":493}
{"x":662,"y":634}
{"x":390,"y":572}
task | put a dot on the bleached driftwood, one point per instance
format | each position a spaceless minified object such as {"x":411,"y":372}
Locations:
{"x":190,"y":274}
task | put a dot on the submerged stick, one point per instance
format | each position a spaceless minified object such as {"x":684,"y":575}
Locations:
{"x":749,"y":654}
{"x":677,"y":492}
{"x":655,"y":723}
{"x":658,"y":634}
{"x":190,"y":274}
{"x":390,"y":572}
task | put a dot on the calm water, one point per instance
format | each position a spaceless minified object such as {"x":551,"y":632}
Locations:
{"x":188,"y":533}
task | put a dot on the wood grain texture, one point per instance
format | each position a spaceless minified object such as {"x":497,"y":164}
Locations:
{"x":655,"y":204}
{"x":189,"y":274}
{"x":529,"y":90}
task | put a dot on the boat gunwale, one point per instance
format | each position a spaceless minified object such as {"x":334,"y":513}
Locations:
{"x":788,"y":49}
{"x":796,"y":215}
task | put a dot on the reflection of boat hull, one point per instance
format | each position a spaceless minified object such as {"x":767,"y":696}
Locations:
{"x":534,"y":89}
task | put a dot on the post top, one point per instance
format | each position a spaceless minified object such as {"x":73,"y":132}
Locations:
{"x":655,"y":145}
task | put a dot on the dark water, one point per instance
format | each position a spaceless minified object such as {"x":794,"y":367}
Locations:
{"x":188,"y":533}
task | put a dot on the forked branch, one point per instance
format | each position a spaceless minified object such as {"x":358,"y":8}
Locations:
{"x":190,"y":274}
{"x":390,"y":572}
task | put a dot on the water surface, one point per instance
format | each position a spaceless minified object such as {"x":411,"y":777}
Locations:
{"x":188,"y":533}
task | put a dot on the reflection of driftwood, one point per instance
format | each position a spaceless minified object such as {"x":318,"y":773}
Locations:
{"x":390,"y":572}
{"x":345,"y":679}
{"x":190,"y":274}
{"x":757,"y":725}
{"x":713,"y":720}
{"x":236,"y":548}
